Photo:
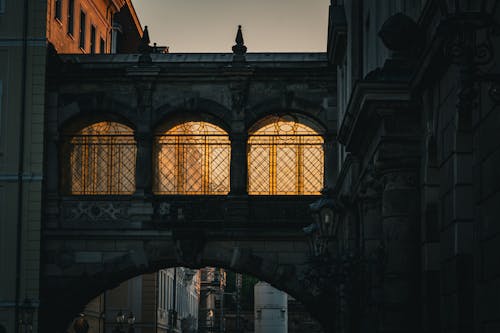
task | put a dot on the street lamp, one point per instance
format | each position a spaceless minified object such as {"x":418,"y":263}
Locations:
{"x":81,"y":325}
{"x":120,"y":320}
{"x":131,"y":322}
{"x":324,"y":227}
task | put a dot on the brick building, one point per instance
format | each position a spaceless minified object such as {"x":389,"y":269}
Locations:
{"x":90,"y":26}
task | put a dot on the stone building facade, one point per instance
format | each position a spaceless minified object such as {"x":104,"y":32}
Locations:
{"x":416,"y":234}
{"x":92,"y":230}
{"x":26,"y":29}
{"x":22,"y":104}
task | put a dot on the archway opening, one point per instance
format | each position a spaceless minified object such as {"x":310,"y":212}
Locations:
{"x":185,"y":300}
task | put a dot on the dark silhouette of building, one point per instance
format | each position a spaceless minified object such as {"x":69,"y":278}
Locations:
{"x":415,"y":239}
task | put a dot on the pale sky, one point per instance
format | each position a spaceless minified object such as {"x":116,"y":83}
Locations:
{"x":210,"y":25}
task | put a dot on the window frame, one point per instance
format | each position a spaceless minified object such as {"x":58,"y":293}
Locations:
{"x":264,"y":174}
{"x":71,"y":17}
{"x":82,"y":43}
{"x":58,"y":10}
{"x":177,"y":180}
{"x":93,"y":33}
{"x":102,"y":45}
{"x":100,"y":162}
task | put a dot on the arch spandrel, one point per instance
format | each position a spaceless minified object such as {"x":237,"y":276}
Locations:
{"x":182,"y":110}
{"x":79,"y":111}
{"x":310,"y":113}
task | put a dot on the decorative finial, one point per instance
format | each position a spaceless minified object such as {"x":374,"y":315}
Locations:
{"x":144,"y":44}
{"x":239,"y":49}
{"x":144,"y":47}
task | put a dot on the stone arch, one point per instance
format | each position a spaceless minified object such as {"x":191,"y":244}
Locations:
{"x":305,"y":110}
{"x":65,"y":297}
{"x":83,"y":119}
{"x":202,"y":109}
{"x":86,"y":109}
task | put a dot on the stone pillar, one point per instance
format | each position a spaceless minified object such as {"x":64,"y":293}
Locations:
{"x":330,"y":162}
{"x":400,"y":293}
{"x":238,"y":170}
{"x":237,"y":204}
{"x":52,"y":170}
{"x":373,"y":252}
{"x":144,"y":163}
{"x":141,"y":207}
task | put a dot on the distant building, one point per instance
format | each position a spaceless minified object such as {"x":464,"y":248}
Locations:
{"x":211,"y":310}
{"x":271,"y":309}
{"x":154,"y":302}
{"x":178,"y":308}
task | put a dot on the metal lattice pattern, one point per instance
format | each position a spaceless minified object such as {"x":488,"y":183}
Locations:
{"x":192,"y":158}
{"x":102,"y":160}
{"x":285,"y":158}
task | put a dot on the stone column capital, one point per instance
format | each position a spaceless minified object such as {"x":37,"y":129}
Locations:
{"x":394,"y":179}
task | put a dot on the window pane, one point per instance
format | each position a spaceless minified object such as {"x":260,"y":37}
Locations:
{"x":92,"y":39}
{"x":285,"y":157}
{"x":58,"y":9}
{"x":82,"y":29}
{"x":71,"y":13}
{"x":192,"y":158}
{"x":102,"y":160}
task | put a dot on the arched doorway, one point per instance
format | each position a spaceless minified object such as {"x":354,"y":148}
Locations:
{"x":209,"y":299}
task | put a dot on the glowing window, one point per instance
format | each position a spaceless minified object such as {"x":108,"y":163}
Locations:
{"x":102,"y":160}
{"x":192,"y":158}
{"x":285,"y":157}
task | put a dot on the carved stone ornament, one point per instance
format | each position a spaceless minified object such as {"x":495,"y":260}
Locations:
{"x":371,"y":185}
{"x":94,"y":211}
{"x":320,"y":277}
{"x":239,"y":92}
{"x":394,"y":180}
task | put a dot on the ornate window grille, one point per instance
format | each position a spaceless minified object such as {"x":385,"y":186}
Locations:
{"x":102,"y":160}
{"x":192,"y":158}
{"x":285,"y":158}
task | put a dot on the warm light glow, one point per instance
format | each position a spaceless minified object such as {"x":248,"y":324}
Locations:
{"x":102,"y":160}
{"x":192,"y":158}
{"x":285,"y":158}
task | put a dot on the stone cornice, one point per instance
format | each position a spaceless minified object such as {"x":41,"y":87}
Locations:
{"x":345,"y":171}
{"x":337,"y":34}
{"x":359,"y":112}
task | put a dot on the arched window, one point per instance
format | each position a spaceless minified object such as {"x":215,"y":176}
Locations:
{"x":285,"y":157}
{"x":192,"y":158}
{"x":102,"y":160}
